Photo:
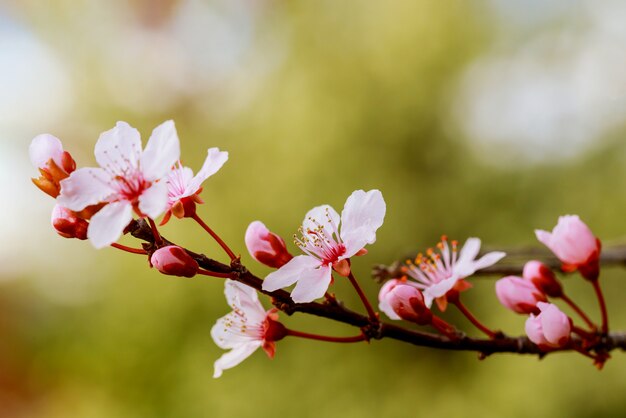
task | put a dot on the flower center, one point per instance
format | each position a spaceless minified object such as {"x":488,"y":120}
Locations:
{"x":435,"y":266}
{"x":131,"y":187}
{"x":322,"y":241}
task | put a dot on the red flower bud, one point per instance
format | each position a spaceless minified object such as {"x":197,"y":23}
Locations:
{"x":174,"y":261}
{"x":265,"y":246}
{"x":542,"y":277}
{"x":68,"y":224}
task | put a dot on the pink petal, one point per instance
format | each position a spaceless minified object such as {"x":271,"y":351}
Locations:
{"x":438,"y":289}
{"x":84,"y":187}
{"x":153,"y":201}
{"x":162,"y":151}
{"x":312,"y":284}
{"x":289,"y":273}
{"x":214,"y":161}
{"x":384,"y":298}
{"x":43,"y":148}
{"x":118,"y":149}
{"x":234,"y":357}
{"x":362,"y":215}
{"x":255,"y":238}
{"x":555,"y":324}
{"x":106,"y":226}
{"x":534,"y":331}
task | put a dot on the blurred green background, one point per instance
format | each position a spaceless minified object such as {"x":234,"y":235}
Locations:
{"x":485,"y":119}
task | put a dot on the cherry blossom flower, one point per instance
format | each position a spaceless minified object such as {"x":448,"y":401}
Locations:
{"x":54,"y":164}
{"x":551,"y":328}
{"x":398,"y":300}
{"x":438,"y":273}
{"x":265,"y":246}
{"x":326,"y":247}
{"x":183,"y":187}
{"x":246,"y":328}
{"x":174,"y":261}
{"x":519,"y":295}
{"x":127,"y":180}
{"x":574,"y":244}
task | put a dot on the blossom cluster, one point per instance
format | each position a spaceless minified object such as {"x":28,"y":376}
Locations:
{"x":98,"y":203}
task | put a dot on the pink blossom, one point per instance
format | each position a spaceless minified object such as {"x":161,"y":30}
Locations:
{"x":438,"y":273}
{"x":246,"y":328}
{"x":266,"y":247}
{"x":399,"y":300}
{"x":574,"y":244}
{"x":183,"y":187}
{"x":68,"y":224}
{"x":174,"y":261}
{"x":54,"y":164}
{"x":127,"y":180}
{"x":542,"y":277}
{"x":326,"y":247}
{"x":519,"y":295}
{"x":551,"y":328}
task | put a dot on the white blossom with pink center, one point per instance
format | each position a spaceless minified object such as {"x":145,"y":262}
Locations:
{"x":245,"y":329}
{"x":439,"y":272}
{"x":327,"y":240}
{"x":127,"y":180}
{"x":182,"y":183}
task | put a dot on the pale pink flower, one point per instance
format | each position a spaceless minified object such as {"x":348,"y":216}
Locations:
{"x":127,"y":180}
{"x":183,"y":187}
{"x":551,"y":328}
{"x":519,"y":295}
{"x":542,"y":277}
{"x":438,"y":273}
{"x":174,"y":261}
{"x":68,"y":224}
{"x":246,"y":328}
{"x":399,"y":300}
{"x":574,"y":244}
{"x":327,"y":247}
{"x":265,"y":246}
{"x":54,"y":164}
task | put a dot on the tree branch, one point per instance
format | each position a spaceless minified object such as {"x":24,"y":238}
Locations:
{"x":335,"y":310}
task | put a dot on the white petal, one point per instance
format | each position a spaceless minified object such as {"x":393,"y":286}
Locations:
{"x":118,"y":149}
{"x":162,"y":151}
{"x":363,"y":211}
{"x":234,"y":357}
{"x":214,"y":161}
{"x":323,"y":215}
{"x":106,"y":226}
{"x":246,"y":299}
{"x":438,"y":289}
{"x":488,"y":259}
{"x":312,"y":284}
{"x":289,"y":273}
{"x":43,"y":148}
{"x":85,"y":186}
{"x":227,"y":332}
{"x":153,"y":201}
{"x":470,"y":250}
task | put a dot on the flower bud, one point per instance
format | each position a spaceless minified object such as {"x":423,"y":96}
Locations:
{"x":68,"y":224}
{"x":550,"y":329}
{"x":402,"y":301}
{"x":54,"y":164}
{"x":265,"y":246}
{"x":519,"y":295}
{"x":542,"y":277}
{"x":174,"y":261}
{"x":574,"y":244}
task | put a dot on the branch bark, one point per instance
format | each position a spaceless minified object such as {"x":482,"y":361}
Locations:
{"x":334,"y":310}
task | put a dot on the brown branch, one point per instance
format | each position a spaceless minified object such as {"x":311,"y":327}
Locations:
{"x":334,"y":310}
{"x":513,"y":263}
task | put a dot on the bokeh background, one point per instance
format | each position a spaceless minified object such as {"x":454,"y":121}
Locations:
{"x":488,"y":118}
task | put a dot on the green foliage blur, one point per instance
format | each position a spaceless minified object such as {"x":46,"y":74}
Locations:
{"x":331,"y":96}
